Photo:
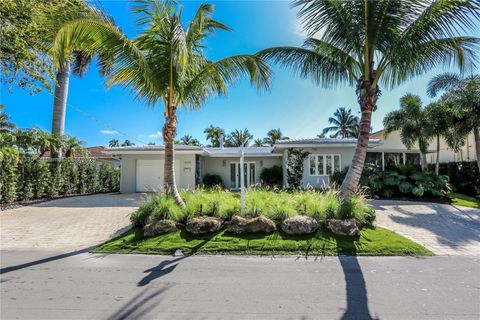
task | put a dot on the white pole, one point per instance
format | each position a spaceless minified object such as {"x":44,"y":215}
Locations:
{"x":242,"y":184}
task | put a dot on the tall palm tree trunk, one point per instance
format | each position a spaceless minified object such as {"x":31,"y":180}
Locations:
{"x":437,"y":163}
{"x":476,"y":135}
{"x":368,"y":100}
{"x":169,"y":132}
{"x":60,"y":104}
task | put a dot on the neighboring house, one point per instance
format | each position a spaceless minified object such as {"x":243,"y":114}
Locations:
{"x":142,"y":167}
{"x":97,"y":154}
{"x":466,"y":152}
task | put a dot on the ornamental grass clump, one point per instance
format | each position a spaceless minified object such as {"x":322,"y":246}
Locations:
{"x":329,"y":204}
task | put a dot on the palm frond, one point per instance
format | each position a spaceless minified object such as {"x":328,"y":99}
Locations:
{"x":442,"y":82}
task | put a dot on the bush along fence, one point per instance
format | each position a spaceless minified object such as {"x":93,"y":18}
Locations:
{"x":403,"y":182}
{"x":29,"y":177}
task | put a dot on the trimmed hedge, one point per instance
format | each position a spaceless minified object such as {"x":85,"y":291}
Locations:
{"x":30,"y":178}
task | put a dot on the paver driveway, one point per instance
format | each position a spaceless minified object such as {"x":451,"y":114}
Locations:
{"x":67,"y":224}
{"x":443,"y":229}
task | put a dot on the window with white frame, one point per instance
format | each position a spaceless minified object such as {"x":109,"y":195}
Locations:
{"x":323,"y":164}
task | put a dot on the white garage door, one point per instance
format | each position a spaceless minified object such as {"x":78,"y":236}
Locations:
{"x":149,"y":175}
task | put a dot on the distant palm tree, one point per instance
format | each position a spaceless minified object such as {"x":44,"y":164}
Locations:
{"x":127,"y":143}
{"x":239,"y":138}
{"x":273,"y":136}
{"x":167,"y":64}
{"x":213,"y":134}
{"x":464,"y":94}
{"x":113,"y":143}
{"x":152,"y":143}
{"x":412,"y":123}
{"x":73,"y":146}
{"x":344,"y":124}
{"x":377,"y":43}
{"x":258,"y":142}
{"x":189,"y":141}
{"x":5,"y":124}
{"x":42,"y":142}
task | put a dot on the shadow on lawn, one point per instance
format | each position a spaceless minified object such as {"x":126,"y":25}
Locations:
{"x":357,"y":298}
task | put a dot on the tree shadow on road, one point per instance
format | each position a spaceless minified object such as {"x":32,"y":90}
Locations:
{"x":357,"y":298}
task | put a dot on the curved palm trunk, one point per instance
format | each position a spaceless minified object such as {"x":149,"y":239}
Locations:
{"x":60,"y":104}
{"x":368,"y":101}
{"x":476,"y":135}
{"x":437,"y":163}
{"x":169,"y":132}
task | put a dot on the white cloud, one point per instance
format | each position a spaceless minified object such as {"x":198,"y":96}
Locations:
{"x":158,"y":134}
{"x":108,"y":132}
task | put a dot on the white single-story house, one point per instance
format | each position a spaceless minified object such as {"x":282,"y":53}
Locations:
{"x":142,"y":167}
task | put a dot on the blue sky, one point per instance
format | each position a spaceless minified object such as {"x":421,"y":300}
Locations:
{"x":301,"y":109}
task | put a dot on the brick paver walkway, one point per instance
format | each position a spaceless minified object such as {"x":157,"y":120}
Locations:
{"x":67,"y":224}
{"x":443,"y":229}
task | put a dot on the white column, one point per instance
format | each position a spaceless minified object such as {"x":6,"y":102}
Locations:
{"x":383,"y":161}
{"x":242,"y":184}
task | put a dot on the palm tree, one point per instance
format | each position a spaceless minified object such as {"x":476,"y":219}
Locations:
{"x":113,"y":143}
{"x":239,"y":138}
{"x":371,"y":43}
{"x":213,"y":134}
{"x":74,"y":62}
{"x":441,"y":120}
{"x":73,"y":146}
{"x":258,"y":142}
{"x":344,"y":124}
{"x":464,"y":94}
{"x":273,"y":136}
{"x":412,"y":123}
{"x":127,"y":143}
{"x":5,"y":124}
{"x":166,"y":63}
{"x":189,"y":141}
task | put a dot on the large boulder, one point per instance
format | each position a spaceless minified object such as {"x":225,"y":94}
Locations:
{"x":348,"y":227}
{"x":159,"y":227}
{"x":203,"y":225}
{"x":245,"y":225}
{"x":300,"y":225}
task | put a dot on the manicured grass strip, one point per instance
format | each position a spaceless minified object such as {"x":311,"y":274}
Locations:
{"x":465,"y":201}
{"x":372,"y":241}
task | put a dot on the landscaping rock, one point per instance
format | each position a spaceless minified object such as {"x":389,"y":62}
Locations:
{"x":203,"y":225}
{"x":348,"y":227}
{"x":244,"y":225}
{"x":300,"y":225}
{"x":160,"y":227}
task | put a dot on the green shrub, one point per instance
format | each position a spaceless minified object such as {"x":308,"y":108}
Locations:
{"x":464,"y":176}
{"x":272,"y":177}
{"x":212,"y":181}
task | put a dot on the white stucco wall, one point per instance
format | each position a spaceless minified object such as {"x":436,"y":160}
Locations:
{"x":221,"y":166}
{"x":128,"y":170}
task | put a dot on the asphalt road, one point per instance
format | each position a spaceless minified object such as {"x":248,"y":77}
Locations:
{"x":78,"y":285}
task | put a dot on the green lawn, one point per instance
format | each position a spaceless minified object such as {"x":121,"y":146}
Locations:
{"x":465,"y":201}
{"x":372,"y":241}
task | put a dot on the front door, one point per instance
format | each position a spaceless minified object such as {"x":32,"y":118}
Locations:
{"x":249,"y":174}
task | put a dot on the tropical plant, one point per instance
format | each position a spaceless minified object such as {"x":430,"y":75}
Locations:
{"x":239,"y":138}
{"x":464,"y":94}
{"x":166,"y":63}
{"x":441,"y":119}
{"x":113,"y":143}
{"x":214,"y":134}
{"x":273,"y":136}
{"x":73,"y":146}
{"x":411,"y":121}
{"x":5,"y":124}
{"x":373,"y":43}
{"x":295,"y":164}
{"x":344,"y":124}
{"x":127,"y":143}
{"x":189,"y":141}
{"x":258,"y":143}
